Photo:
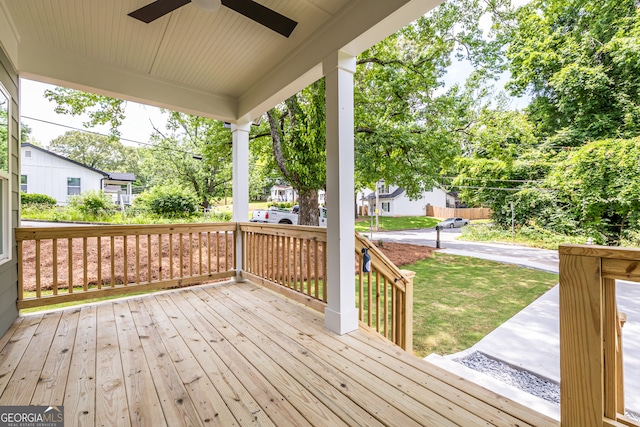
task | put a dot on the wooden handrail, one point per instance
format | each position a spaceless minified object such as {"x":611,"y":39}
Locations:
{"x":385,"y":295}
{"x":119,"y":259}
{"x":592,"y":382}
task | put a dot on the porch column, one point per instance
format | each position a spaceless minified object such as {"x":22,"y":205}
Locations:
{"x":341,"y":315}
{"x":240,"y":134}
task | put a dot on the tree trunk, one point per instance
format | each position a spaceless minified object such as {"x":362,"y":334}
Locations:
{"x":308,"y":202}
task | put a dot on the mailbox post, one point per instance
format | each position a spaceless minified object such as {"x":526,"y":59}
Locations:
{"x":438,"y":228}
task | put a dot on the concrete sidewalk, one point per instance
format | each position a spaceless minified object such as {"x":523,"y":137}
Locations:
{"x":530,"y":339}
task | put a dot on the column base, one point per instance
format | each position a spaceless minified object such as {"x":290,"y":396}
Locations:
{"x":341,"y":323}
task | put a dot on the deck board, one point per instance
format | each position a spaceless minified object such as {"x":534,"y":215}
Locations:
{"x":234,"y":354}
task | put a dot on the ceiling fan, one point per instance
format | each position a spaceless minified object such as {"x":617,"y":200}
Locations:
{"x":252,"y":10}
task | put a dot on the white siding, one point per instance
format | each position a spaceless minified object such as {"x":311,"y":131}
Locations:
{"x":47,"y":174}
{"x":403,"y":206}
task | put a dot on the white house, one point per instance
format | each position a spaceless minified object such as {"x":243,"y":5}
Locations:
{"x":283,"y":193}
{"x":393,"y":201}
{"x":286,"y":193}
{"x":45,"y":172}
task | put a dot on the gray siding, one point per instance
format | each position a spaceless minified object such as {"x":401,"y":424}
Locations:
{"x":9,"y":270}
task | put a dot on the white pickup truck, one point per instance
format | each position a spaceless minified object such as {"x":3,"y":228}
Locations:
{"x":282,"y":216}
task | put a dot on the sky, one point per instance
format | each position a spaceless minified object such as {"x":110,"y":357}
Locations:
{"x":135,"y":129}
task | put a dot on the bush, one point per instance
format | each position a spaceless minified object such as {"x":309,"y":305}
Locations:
{"x":93,"y":203}
{"x":168,"y":201}
{"x":280,"y":205}
{"x":37,"y":199}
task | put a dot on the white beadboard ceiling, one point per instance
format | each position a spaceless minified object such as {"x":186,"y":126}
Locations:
{"x":217,"y":64}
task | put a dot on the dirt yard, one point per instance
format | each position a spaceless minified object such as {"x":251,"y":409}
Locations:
{"x":193,"y":261}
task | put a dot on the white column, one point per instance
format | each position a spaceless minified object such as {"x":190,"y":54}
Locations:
{"x":341,"y":315}
{"x":240,"y":134}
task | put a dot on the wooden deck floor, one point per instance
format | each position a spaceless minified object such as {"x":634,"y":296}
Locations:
{"x":227,"y":355}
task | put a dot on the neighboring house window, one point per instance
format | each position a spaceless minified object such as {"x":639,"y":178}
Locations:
{"x":384,"y":189}
{"x":23,"y":183}
{"x":27,"y":153}
{"x":5,"y":175}
{"x":386,"y":206}
{"x":73,"y":186}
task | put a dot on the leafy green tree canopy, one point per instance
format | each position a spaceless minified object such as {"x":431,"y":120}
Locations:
{"x":96,"y":151}
{"x":578,"y":59}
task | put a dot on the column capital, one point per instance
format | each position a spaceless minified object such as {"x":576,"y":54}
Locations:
{"x":339,"y":60}
{"x":243,"y":127}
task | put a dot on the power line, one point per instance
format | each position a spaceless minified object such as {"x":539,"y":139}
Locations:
{"x":491,"y":179}
{"x":122,"y":139}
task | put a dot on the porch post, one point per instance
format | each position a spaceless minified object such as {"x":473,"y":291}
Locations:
{"x":240,"y":134}
{"x":341,"y":315}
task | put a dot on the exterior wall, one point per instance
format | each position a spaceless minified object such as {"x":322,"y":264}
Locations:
{"x":47,"y":174}
{"x":403,"y":206}
{"x":9,"y":268}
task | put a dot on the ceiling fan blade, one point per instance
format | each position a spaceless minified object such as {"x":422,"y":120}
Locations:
{"x":262,"y":15}
{"x":157,"y":9}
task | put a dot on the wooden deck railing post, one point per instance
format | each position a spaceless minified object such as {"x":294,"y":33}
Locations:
{"x":408,"y":311}
{"x":591,"y":356}
{"x":581,"y":336}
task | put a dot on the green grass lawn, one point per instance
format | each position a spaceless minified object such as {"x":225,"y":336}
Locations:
{"x":459,"y":300}
{"x":388,"y":223}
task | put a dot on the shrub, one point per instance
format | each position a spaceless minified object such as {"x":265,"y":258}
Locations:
{"x":280,"y":205}
{"x":168,"y":201}
{"x":37,"y":199}
{"x":93,"y":203}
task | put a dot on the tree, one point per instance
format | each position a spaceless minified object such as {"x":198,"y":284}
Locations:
{"x":195,"y":154}
{"x":297,"y":129}
{"x":578,"y":60}
{"x":599,"y":185}
{"x":408,"y":127}
{"x":93,"y":150}
{"x":101,"y":109}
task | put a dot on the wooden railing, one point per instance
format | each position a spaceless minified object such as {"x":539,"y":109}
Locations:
{"x":592,"y":383}
{"x":61,"y":264}
{"x":288,"y":259}
{"x":385,"y":295}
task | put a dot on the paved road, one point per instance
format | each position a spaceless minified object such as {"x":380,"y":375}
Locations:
{"x":511,"y":254}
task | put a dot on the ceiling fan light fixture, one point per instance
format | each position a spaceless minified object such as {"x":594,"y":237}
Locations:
{"x":209,"y":5}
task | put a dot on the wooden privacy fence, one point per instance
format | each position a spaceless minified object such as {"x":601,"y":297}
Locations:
{"x":591,"y":361}
{"x":61,"y":264}
{"x":385,"y":295}
{"x":467,"y":213}
{"x":288,"y":259}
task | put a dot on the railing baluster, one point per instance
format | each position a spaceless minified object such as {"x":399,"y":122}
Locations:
{"x":113,"y":262}
{"x":180,"y":253}
{"x":309,"y":283}
{"x":217,"y":251}
{"x":20,"y":272}
{"x":190,"y":254}
{"x":226,"y":251}
{"x":137,"y":259}
{"x":316,"y":270}
{"x":38,"y":271}
{"x":99,"y":245}
{"x":55,"y":266}
{"x":125,"y":262}
{"x":209,"y":252}
{"x":170,"y":256}
{"x":70,"y":262}
{"x":159,"y":257}
{"x":85,"y":267}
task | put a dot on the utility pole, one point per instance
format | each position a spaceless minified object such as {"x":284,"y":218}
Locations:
{"x":377,"y":202}
{"x":513,"y":222}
